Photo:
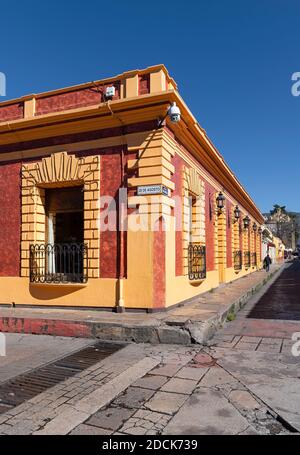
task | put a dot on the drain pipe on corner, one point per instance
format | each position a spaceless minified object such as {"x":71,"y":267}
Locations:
{"x":120,"y":304}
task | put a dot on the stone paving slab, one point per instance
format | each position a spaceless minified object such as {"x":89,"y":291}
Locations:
{"x":179,"y":385}
{"x":191,"y":373}
{"x":243,"y":399}
{"x":110,"y":418}
{"x":196,"y":321}
{"x":220,"y":417}
{"x":271,"y":376}
{"x":166,"y":402}
{"x":133,"y":397}
{"x":152,"y":382}
{"x":90,"y":430}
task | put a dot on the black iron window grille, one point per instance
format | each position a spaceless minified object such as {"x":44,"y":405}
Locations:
{"x":59,"y":263}
{"x":196,"y":261}
{"x":254,"y":259}
{"x":237,"y":256}
{"x":247,"y":259}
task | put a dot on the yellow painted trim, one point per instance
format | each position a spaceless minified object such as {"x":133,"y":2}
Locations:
{"x":158,"y":81}
{"x":132,"y":86}
{"x":153,"y":180}
{"x":29,"y":107}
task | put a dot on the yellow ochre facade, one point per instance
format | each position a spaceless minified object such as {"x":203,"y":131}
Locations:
{"x":107,"y":203}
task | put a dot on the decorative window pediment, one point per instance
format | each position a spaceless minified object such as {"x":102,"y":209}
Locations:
{"x":61,"y":168}
{"x":193,"y":181}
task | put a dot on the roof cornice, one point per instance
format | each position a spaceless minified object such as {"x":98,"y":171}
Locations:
{"x":133,"y":110}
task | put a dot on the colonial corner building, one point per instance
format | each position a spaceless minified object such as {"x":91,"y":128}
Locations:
{"x":181,"y":225}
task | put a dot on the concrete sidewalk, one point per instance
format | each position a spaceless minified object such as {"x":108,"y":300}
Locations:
{"x":193,"y":322}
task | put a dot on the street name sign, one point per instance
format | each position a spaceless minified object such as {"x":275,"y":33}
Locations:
{"x":152,"y":189}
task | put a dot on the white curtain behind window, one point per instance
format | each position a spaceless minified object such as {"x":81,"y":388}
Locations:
{"x":51,"y":252}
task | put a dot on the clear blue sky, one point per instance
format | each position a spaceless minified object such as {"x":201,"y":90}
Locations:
{"x":232,"y":60}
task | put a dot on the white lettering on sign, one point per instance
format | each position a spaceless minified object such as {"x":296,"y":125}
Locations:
{"x":152,"y":189}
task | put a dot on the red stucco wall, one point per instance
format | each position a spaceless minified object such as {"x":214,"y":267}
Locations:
{"x":241,"y":235}
{"x":228,"y":234}
{"x":11,"y":112}
{"x":10,"y":219}
{"x":110,"y":181}
{"x":144,"y":84}
{"x":177,"y":178}
{"x":81,"y":97}
{"x":209,"y":227}
{"x":70,"y":100}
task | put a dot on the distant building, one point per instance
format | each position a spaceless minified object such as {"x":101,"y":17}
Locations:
{"x":297,"y":215}
{"x":285,"y":225}
{"x":272,"y":245}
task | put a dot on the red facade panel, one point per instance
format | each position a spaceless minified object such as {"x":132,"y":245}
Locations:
{"x":71,"y":100}
{"x":144,"y":84}
{"x":241,"y":235}
{"x":228,"y":234}
{"x":110,"y":182}
{"x":177,"y":178}
{"x":11,"y":112}
{"x":209,"y":227}
{"x":10,"y":219}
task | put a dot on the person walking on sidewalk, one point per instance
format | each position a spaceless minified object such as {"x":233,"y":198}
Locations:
{"x":267,"y":262}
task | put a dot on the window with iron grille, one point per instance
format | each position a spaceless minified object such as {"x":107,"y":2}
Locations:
{"x":196,"y":261}
{"x":253,"y":259}
{"x":59,"y":263}
{"x":247,"y":259}
{"x":237,"y":255}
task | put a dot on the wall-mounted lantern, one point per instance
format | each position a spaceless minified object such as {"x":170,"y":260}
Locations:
{"x":254,"y":227}
{"x":260,"y":230}
{"x":220,"y":199}
{"x":237,"y":213}
{"x":246,"y":221}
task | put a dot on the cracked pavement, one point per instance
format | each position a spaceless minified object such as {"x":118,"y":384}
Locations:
{"x":169,"y":389}
{"x":245,"y":382}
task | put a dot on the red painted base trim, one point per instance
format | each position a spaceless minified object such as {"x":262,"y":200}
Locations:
{"x":46,"y":327}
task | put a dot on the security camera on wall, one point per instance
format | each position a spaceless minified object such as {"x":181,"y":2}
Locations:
{"x":110,"y":92}
{"x":174,"y":113}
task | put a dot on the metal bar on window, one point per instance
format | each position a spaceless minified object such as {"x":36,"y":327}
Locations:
{"x":70,"y":259}
{"x":196,"y":261}
{"x":237,"y":259}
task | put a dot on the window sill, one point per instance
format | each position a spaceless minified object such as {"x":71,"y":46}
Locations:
{"x":61,"y":285}
{"x":196,"y":282}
